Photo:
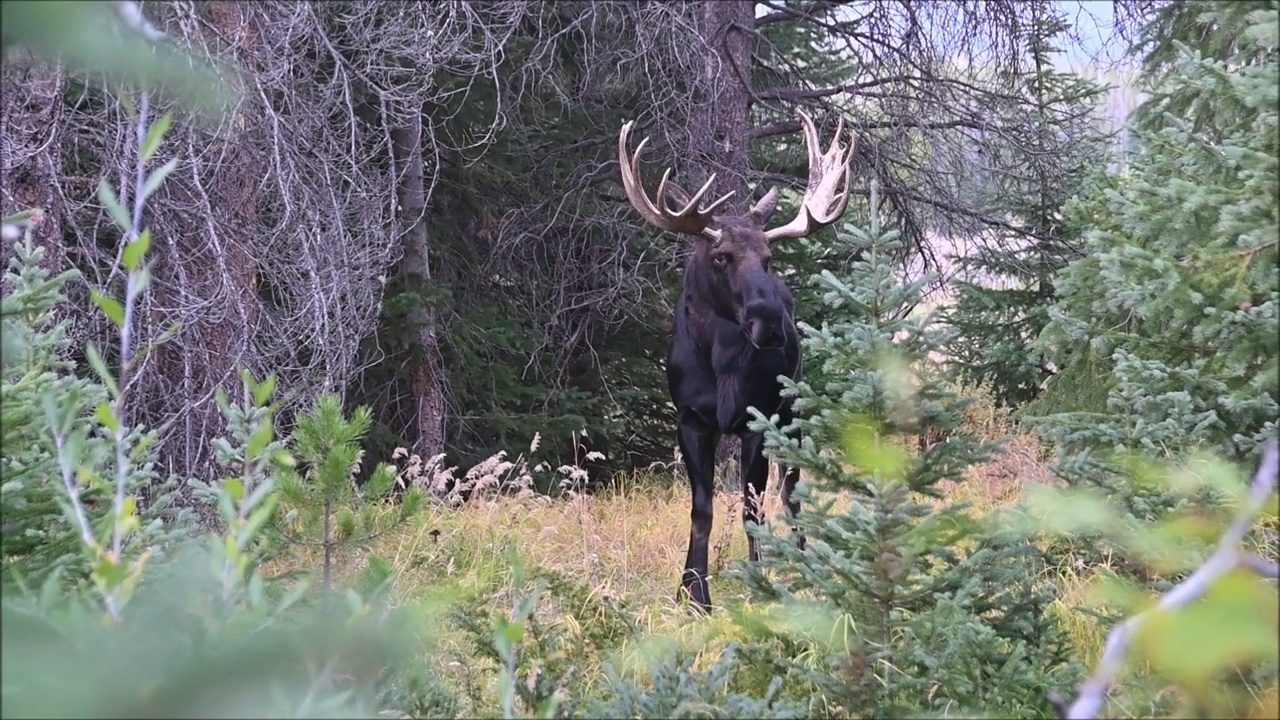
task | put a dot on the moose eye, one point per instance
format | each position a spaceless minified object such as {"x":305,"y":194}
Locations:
{"x":720,"y":260}
{"x":766,"y":263}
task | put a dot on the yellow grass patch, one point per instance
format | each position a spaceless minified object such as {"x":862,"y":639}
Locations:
{"x":627,"y":543}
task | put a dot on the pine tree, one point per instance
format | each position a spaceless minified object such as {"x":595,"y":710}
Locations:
{"x":999,"y":324}
{"x":939,"y":607}
{"x":322,"y":506}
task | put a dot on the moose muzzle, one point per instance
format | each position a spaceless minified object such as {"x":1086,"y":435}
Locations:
{"x":764,"y":325}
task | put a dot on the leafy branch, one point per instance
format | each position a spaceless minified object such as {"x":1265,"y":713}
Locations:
{"x":1228,"y":556}
{"x":114,"y":579}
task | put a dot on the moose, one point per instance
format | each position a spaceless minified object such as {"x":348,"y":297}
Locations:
{"x":734,"y":331}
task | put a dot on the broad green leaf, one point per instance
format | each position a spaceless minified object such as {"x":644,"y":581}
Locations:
{"x":1233,"y":625}
{"x":109,"y":307}
{"x":263,"y":392}
{"x":22,"y":215}
{"x":110,"y":574}
{"x":78,"y":35}
{"x":226,"y":508}
{"x":107,"y":417}
{"x":283,"y":458}
{"x":506,"y":635}
{"x":127,"y":521}
{"x":257,"y":590}
{"x":130,"y":583}
{"x":870,"y":453}
{"x":259,"y":517}
{"x":155,"y":135}
{"x":260,"y":492}
{"x":107,"y":196}
{"x":139,"y":281}
{"x":259,"y":440}
{"x":51,"y":589}
{"x":295,"y":593}
{"x":1071,"y":512}
{"x":126,"y":102}
{"x":136,"y":250}
{"x":1112,"y":593}
{"x":157,"y":177}
{"x":100,"y":366}
{"x":235,"y":488}
{"x":144,"y":444}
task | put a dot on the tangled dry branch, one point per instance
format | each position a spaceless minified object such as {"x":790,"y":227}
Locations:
{"x":938,"y":92}
{"x":277,"y":230}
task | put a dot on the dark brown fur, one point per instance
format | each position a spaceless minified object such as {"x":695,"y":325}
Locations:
{"x":715,"y":371}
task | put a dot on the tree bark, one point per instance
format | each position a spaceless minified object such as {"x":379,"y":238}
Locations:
{"x":426,"y":376}
{"x":720,"y":127}
{"x":198,"y":261}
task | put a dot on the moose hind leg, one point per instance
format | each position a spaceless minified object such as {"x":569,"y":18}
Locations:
{"x":755,"y":479}
{"x":698,"y":446}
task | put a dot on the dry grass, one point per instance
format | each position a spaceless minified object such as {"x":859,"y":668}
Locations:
{"x":627,"y":543}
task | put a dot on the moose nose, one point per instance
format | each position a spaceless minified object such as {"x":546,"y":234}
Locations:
{"x":764,"y":325}
{"x":766,"y":335}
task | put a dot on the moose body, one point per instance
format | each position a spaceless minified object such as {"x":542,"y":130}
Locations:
{"x":714,"y":373}
{"x":734,"y":332}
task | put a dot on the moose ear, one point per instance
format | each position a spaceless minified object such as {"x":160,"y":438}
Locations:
{"x":763,"y":210}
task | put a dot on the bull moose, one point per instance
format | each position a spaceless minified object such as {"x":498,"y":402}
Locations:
{"x":734,"y":331}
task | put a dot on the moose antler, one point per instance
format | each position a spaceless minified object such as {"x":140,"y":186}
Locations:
{"x":690,"y":220}
{"x":824,"y":198}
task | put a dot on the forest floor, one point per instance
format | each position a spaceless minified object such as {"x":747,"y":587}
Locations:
{"x":623,"y":547}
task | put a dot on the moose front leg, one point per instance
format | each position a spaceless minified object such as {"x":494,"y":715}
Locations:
{"x":791,"y":478}
{"x":755,"y":480}
{"x":698,"y":447}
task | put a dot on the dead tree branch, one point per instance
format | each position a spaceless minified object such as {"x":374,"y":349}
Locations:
{"x":1227,"y":557}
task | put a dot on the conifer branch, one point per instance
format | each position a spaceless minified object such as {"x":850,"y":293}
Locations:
{"x":1224,"y":559}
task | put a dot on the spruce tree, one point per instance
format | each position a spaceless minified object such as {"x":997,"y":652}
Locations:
{"x":1174,"y":307}
{"x":35,"y":535}
{"x":1177,"y":297}
{"x":936,"y":606}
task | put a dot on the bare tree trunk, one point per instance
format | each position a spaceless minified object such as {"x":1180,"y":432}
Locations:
{"x":720,"y":122}
{"x":206,"y":265}
{"x":426,"y":369}
{"x":31,"y":123}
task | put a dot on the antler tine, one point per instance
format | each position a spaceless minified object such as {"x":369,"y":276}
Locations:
{"x":690,"y":220}
{"x":693,"y":202}
{"x":825,"y":198}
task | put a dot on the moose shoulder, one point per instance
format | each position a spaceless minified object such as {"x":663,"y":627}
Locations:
{"x":734,"y":330}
